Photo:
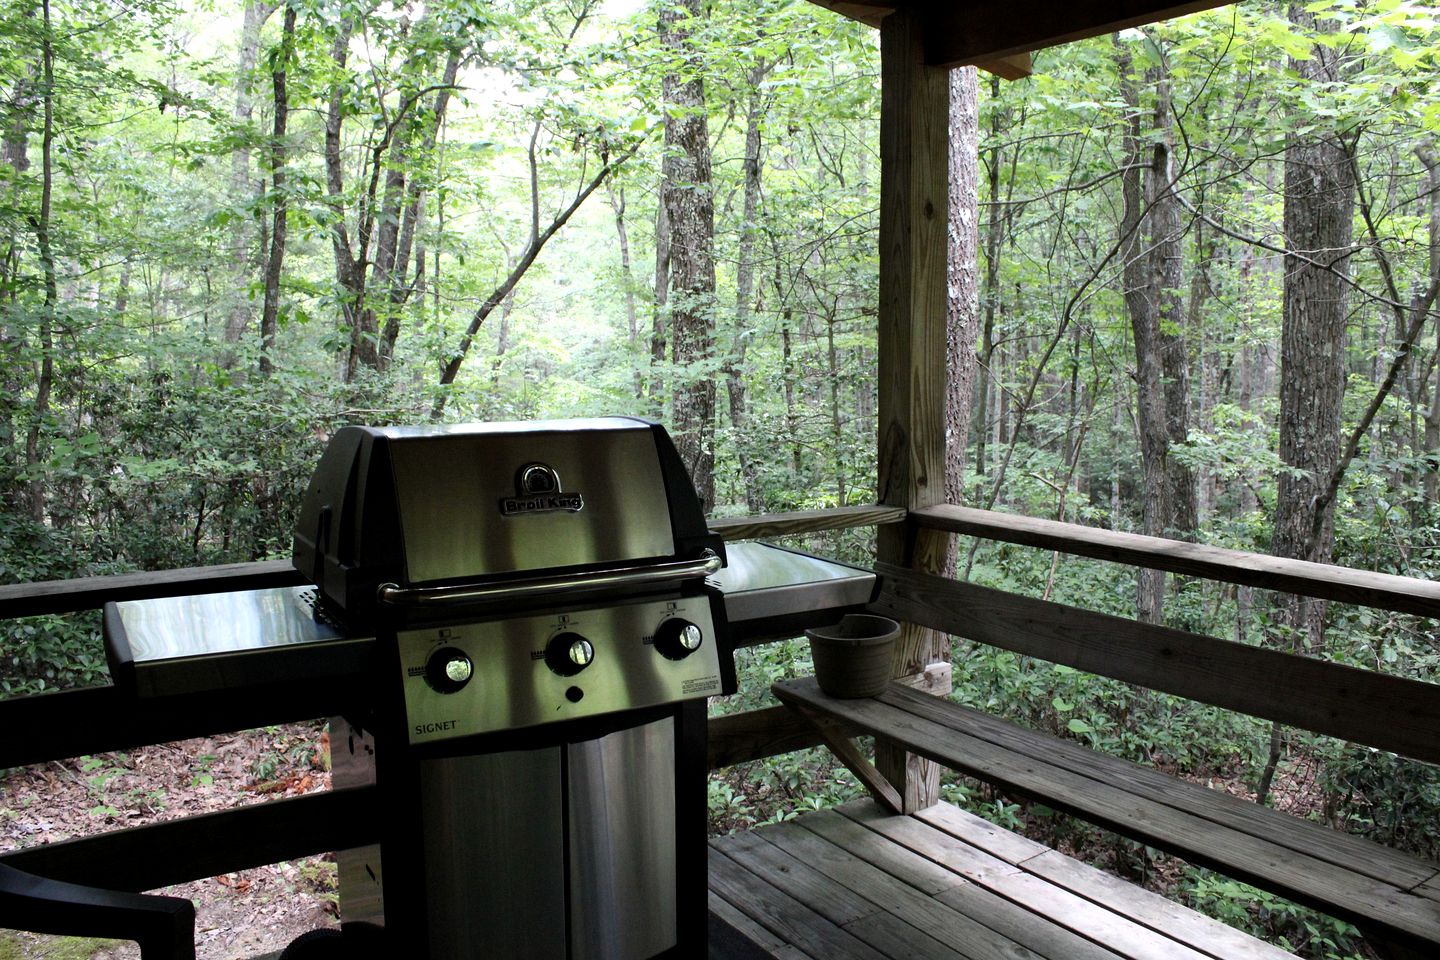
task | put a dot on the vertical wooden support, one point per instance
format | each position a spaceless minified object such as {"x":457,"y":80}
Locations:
{"x":914,"y":118}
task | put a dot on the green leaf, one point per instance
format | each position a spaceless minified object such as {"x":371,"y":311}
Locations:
{"x":1079,"y":727}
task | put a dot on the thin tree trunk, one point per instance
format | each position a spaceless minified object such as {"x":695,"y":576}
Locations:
{"x":45,"y":374}
{"x":242,"y":189}
{"x":269,"y":314}
{"x":744,"y":294}
{"x":1167,"y":252}
{"x":1432,"y":414}
{"x":627,"y":283}
{"x":659,"y":320}
{"x":990,"y":296}
{"x":837,"y":420}
{"x":451,"y":368}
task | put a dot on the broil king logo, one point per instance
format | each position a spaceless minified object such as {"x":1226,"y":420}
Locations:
{"x":537,"y":490}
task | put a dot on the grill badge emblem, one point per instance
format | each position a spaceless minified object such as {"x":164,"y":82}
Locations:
{"x":537,"y":490}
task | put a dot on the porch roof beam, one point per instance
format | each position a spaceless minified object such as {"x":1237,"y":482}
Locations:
{"x":992,"y":35}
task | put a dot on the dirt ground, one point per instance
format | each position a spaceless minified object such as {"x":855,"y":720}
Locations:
{"x":238,"y":916}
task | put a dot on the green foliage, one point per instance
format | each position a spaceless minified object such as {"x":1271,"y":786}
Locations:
{"x":1286,"y":924}
{"x":1389,"y":799}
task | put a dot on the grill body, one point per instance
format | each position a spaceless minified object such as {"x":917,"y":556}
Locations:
{"x":535,"y":727}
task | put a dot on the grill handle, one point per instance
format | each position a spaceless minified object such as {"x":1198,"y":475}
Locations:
{"x":703,"y":566}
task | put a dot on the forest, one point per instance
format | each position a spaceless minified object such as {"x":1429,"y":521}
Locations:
{"x":1194,"y":294}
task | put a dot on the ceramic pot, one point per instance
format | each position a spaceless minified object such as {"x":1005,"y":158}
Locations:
{"x":853,"y":657}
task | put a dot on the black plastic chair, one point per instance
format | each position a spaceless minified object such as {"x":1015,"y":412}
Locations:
{"x":164,"y":927}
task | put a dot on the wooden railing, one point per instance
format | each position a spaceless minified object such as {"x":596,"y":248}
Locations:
{"x":1319,"y":696}
{"x":93,"y":720}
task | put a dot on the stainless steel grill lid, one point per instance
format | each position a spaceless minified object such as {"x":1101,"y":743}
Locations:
{"x":420,"y":516}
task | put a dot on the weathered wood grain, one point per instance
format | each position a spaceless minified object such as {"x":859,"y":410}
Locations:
{"x":847,"y":753}
{"x":776,"y":948}
{"x":911,"y":344}
{"x":835,"y":902}
{"x":757,"y":734}
{"x":1357,"y":854}
{"x":969,"y":33}
{"x":805,"y":521}
{"x":1196,"y":930}
{"x":770,"y":731}
{"x":91,"y":593}
{"x":1068,"y":918}
{"x":1392,"y":713}
{"x":783,"y":915}
{"x":972,"y":937}
{"x":1046,"y":918}
{"x":1382,"y":590}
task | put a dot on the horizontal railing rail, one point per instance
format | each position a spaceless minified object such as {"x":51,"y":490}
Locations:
{"x":1320,"y":580}
{"x":92,"y":593}
{"x":1363,"y":706}
{"x":93,"y":720}
{"x":801,"y":522}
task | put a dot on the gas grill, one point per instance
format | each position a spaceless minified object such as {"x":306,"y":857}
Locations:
{"x":527,"y":619}
{"x":546,"y":645}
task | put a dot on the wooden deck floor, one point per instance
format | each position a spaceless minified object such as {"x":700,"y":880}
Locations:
{"x":858,"y":882}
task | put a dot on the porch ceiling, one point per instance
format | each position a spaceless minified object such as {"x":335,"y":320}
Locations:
{"x":996,"y":36}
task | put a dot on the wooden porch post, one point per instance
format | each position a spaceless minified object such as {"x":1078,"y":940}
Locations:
{"x":914,"y":117}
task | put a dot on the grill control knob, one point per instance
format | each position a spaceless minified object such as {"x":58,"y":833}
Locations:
{"x":676,"y":639}
{"x":568,"y":653}
{"x":448,"y":670}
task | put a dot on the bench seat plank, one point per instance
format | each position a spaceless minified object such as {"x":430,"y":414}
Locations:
{"x":1356,"y":854}
{"x":1315,"y":865}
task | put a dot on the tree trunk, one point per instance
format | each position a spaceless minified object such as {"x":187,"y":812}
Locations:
{"x":242,"y":188}
{"x":1319,"y":207}
{"x":270,"y":313}
{"x":1142,"y":301}
{"x":744,"y":295}
{"x":689,"y":206}
{"x":627,"y":284}
{"x":1432,"y":414}
{"x":994,"y":234}
{"x":450,"y":369}
{"x":45,"y":375}
{"x":962,"y":283}
{"x":1166,"y":250}
{"x":659,"y":325}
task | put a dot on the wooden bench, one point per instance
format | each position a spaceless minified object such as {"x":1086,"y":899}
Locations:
{"x":1394,"y":898}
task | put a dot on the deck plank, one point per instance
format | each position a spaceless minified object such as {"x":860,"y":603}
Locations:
{"x":788,"y":918}
{"x":1208,"y":936}
{"x":978,"y":923}
{"x":901,"y":941}
{"x":858,"y":881}
{"x":771,"y":944}
{"x":851,"y":841}
{"x":838,"y":904}
{"x":1055,"y":904}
